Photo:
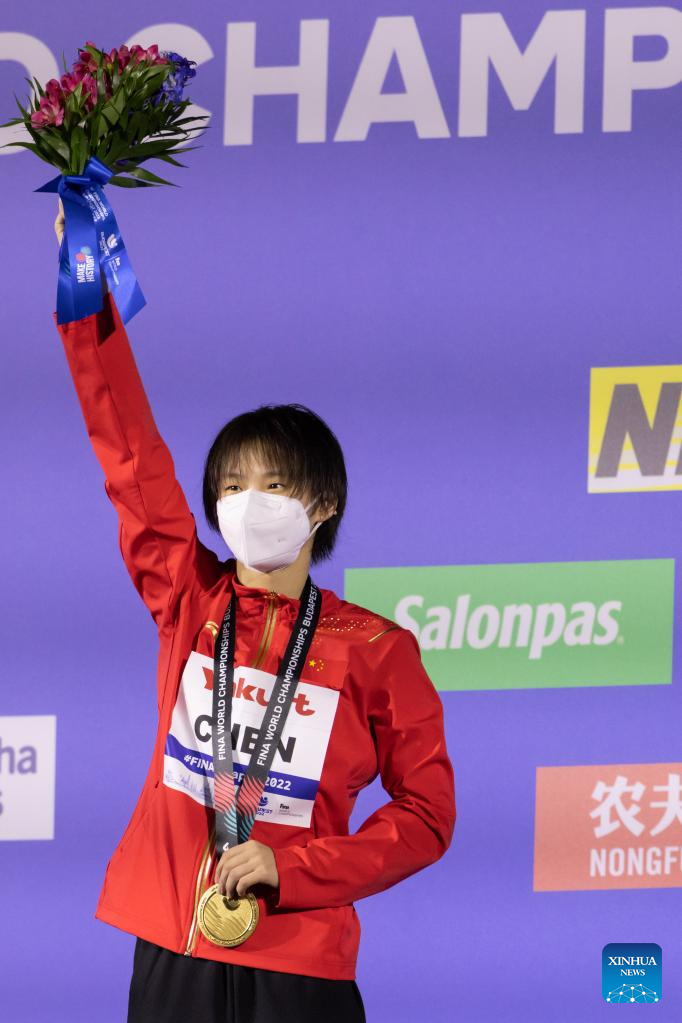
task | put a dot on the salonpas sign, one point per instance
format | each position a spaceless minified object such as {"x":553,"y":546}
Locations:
{"x":532,"y":625}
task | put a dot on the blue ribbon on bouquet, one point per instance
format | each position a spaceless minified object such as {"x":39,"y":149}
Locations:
{"x":91,"y":243}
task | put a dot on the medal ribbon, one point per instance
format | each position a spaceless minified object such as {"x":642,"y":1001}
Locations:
{"x":91,"y":241}
{"x":236,"y":813}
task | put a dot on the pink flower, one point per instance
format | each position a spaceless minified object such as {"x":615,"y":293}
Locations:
{"x":87,"y":60}
{"x":69,"y":83}
{"x":149,"y":56}
{"x":89,"y":91}
{"x":123,"y":57}
{"x":51,"y":110}
{"x":154,"y":56}
{"x":53,"y":90}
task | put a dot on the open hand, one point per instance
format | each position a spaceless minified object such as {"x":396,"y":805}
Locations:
{"x":244,"y":865}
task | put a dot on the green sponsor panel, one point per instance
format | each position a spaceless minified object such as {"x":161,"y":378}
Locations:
{"x":531,"y":625}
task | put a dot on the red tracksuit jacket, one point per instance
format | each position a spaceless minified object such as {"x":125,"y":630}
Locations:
{"x":364,"y":707}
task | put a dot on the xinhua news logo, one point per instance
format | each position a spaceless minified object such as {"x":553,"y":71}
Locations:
{"x":631,"y":973}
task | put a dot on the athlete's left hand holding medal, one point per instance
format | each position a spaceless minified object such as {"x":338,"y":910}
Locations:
{"x":224,"y":917}
{"x":107,"y":115}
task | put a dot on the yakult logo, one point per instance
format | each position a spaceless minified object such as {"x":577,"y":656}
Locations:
{"x":244,"y":690}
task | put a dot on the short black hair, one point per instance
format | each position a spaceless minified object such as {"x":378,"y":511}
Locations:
{"x":294,"y":440}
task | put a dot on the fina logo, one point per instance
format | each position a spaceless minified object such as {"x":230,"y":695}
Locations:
{"x":111,"y":241}
{"x":85,"y":265}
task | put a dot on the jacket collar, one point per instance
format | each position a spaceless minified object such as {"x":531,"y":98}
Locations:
{"x":251,"y":598}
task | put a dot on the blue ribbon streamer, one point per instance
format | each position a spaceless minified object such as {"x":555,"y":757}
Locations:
{"x":91,"y":244}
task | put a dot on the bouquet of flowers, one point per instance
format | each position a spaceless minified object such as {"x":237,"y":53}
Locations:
{"x":97,"y":125}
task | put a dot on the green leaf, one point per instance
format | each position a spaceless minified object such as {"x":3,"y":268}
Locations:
{"x":110,"y":113}
{"x":35,"y":133}
{"x":98,"y":129}
{"x":23,"y":110}
{"x":33,"y":147}
{"x":79,"y":149}
{"x":118,"y":101}
{"x":54,"y":140}
{"x":97,"y":54}
{"x":186,"y":120}
{"x":153,"y":80}
{"x":144,"y":149}
{"x":101,"y":85}
{"x":182,"y":149}
{"x":124,"y":182}
{"x":169,"y":159}
{"x":146,"y":175}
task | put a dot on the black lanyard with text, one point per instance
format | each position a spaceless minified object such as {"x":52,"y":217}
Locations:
{"x":236,"y":813}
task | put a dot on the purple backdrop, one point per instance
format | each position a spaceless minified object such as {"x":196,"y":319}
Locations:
{"x":440,"y":301}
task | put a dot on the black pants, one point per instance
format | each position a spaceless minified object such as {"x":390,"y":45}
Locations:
{"x":168,"y":987}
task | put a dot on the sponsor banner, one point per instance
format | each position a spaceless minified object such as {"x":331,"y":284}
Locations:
{"x":27,"y":776}
{"x":292,"y":783}
{"x":608,"y":826}
{"x":635,"y":429}
{"x":531,"y":625}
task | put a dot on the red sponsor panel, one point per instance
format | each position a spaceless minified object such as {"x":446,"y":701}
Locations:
{"x":603,"y":826}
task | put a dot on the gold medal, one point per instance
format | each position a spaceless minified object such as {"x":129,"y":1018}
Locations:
{"x":227,"y":921}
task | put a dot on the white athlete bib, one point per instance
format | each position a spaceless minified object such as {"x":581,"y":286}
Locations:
{"x":293,"y":781}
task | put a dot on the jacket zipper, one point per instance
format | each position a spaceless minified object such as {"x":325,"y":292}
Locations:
{"x":268,"y":629}
{"x":207,"y":854}
{"x":202,"y":874}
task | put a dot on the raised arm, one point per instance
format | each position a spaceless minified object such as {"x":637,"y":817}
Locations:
{"x":157,"y":530}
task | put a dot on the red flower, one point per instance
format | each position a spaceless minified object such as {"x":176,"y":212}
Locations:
{"x":154,"y":56}
{"x":69,"y":83}
{"x":151,"y":55}
{"x":53,"y":90}
{"x":123,"y":57}
{"x":51,"y":107}
{"x":87,"y":60}
{"x":89,"y":91}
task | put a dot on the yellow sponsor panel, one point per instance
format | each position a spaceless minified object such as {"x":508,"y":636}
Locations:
{"x":635,"y":429}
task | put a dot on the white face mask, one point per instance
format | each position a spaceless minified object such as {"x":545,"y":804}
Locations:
{"x":264,"y":531}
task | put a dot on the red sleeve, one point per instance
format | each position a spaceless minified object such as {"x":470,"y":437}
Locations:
{"x":412,"y":830}
{"x":157,"y":531}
